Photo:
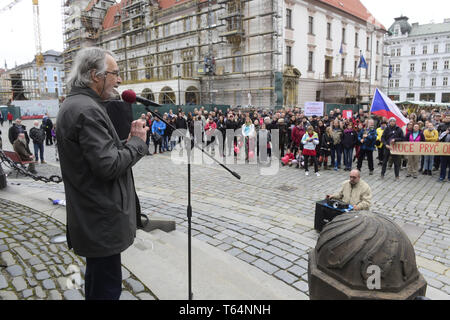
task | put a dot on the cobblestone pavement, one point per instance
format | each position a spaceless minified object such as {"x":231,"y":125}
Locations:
{"x":267,"y":221}
{"x":33,"y":268}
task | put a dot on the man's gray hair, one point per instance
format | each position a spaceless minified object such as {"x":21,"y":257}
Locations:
{"x":86,"y":60}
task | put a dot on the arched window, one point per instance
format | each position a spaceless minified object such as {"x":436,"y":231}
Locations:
{"x":148,"y":94}
{"x":191,"y":95}
{"x":167,"y":96}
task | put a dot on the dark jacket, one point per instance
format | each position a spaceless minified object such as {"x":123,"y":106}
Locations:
{"x":283,"y":133}
{"x":325,"y":144}
{"x":96,"y":170}
{"x":22,"y":150}
{"x":47,"y":124}
{"x":443,"y":127}
{"x":392,"y":133}
{"x":37,"y":135}
{"x":350,"y":138}
{"x":14,"y":131}
{"x":222,"y":127}
{"x":181,"y":123}
{"x":121,"y":116}
{"x":369,"y":141}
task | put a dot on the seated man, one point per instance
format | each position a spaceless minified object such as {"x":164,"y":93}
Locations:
{"x":21,"y":148}
{"x":355,"y":192}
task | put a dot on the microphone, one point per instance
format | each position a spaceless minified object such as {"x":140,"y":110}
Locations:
{"x":131,"y":97}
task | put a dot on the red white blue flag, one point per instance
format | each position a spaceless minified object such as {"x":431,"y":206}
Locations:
{"x":385,"y":107}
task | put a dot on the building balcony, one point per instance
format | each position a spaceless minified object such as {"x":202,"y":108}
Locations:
{"x":231,"y":15}
{"x":232,"y":33}
{"x":346,"y":76}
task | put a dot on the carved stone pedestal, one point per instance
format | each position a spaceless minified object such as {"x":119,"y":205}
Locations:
{"x":362,"y":255}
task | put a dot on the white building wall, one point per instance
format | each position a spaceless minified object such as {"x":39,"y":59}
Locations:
{"x":310,"y":82}
{"x":405,"y":43}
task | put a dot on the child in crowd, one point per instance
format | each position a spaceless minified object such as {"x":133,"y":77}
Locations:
{"x":288,"y":158}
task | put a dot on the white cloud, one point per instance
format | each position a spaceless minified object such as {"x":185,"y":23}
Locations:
{"x":416,"y":10}
{"x":17,"y":35}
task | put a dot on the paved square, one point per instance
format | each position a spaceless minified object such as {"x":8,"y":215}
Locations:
{"x":267,"y":221}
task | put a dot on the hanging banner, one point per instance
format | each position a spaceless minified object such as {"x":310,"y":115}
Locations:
{"x":421,"y":148}
{"x":347,"y":114}
{"x":314,"y":109}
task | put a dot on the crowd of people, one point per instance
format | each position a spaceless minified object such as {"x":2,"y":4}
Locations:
{"x":329,"y":142}
{"x":20,"y":139}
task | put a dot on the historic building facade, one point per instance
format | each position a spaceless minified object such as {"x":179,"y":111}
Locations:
{"x":419,"y":56}
{"x":237,"y":52}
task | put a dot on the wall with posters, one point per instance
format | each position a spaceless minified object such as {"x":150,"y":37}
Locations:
{"x":37,"y":108}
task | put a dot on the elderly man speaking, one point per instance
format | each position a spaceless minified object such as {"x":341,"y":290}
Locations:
{"x":355,"y":192}
{"x":96,"y":169}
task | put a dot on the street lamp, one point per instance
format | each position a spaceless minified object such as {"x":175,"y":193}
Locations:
{"x":179,"y":101}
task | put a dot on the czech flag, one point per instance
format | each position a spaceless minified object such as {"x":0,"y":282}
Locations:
{"x":384,"y":107}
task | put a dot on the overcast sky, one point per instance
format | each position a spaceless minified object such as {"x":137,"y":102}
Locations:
{"x":17,"y":36}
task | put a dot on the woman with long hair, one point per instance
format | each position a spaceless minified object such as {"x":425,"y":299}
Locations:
{"x":310,"y":140}
{"x":249,"y":134}
{"x":349,"y":141}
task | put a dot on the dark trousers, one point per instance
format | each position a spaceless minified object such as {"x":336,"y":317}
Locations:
{"x":157,"y":143}
{"x":381,"y":154}
{"x":396,"y":159}
{"x":445,"y":163}
{"x":437,"y":162}
{"x":362,"y":154}
{"x":336,"y":154}
{"x":314,"y":159}
{"x":38,"y":151}
{"x":348,"y":156}
{"x":103,"y":279}
{"x":48,"y":138}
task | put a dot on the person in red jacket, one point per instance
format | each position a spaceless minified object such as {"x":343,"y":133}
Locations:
{"x":288,"y":158}
{"x":10,"y":118}
{"x":296,"y":136}
{"x":210,"y":129}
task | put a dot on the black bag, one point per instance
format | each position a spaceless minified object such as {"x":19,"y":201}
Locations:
{"x":325,"y":214}
{"x":157,"y":137}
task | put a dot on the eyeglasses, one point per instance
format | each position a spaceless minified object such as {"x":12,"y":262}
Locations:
{"x":115,"y":72}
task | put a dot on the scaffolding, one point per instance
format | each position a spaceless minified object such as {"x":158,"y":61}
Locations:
{"x":82,"y":22}
{"x":230,"y":47}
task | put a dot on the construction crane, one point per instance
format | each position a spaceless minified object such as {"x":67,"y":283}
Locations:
{"x":39,"y":58}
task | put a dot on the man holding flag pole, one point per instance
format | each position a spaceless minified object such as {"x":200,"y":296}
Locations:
{"x":384,"y":107}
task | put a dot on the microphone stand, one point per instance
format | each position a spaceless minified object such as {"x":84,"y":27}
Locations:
{"x":189,"y":206}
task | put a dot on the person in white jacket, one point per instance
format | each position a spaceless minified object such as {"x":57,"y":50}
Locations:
{"x":310,"y":140}
{"x":249,"y":134}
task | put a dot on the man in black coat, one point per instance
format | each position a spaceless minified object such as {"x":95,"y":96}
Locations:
{"x":37,"y":134}
{"x":47,"y":125}
{"x":391,"y":134}
{"x":16,"y":129}
{"x":231,"y":124}
{"x":121,"y":115}
{"x":96,"y":169}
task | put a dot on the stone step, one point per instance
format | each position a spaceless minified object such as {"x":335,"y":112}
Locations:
{"x":160,"y":261}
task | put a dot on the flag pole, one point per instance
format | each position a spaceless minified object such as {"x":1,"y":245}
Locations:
{"x":359,"y":84}
{"x":389,"y":77}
